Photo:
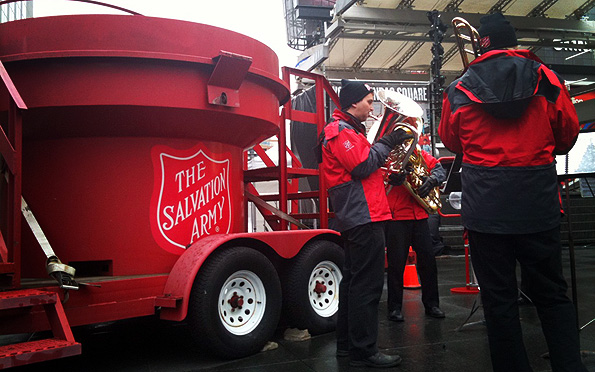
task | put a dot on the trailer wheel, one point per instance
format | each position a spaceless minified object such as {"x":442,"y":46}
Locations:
{"x":311,"y":288}
{"x":235,"y":303}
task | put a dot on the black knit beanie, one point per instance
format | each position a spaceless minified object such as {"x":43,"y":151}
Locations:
{"x":351,"y":92}
{"x":496,"y":32}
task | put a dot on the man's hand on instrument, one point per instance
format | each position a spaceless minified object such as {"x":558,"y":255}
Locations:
{"x":427,"y":186}
{"x":397,"y":179}
{"x":395,"y":138}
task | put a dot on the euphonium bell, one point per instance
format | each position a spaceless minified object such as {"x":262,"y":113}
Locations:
{"x":401,"y":112}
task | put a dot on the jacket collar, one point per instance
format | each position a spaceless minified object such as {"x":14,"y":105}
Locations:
{"x":523,"y":53}
{"x":349,"y":119}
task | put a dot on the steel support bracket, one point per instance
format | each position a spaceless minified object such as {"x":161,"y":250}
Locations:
{"x":227,"y":77}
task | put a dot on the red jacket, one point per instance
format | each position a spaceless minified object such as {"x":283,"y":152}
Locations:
{"x":403,"y":205}
{"x":351,"y":169}
{"x":509,"y":115}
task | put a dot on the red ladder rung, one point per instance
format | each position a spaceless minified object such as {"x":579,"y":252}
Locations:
{"x":37,"y":351}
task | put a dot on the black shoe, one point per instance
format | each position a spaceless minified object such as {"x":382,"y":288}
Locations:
{"x":377,"y":360}
{"x":342,"y":353}
{"x":396,"y":316}
{"x":435,"y":312}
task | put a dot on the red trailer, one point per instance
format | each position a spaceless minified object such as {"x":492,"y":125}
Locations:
{"x":123,"y":151}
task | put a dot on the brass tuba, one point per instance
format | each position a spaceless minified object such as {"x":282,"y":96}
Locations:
{"x":465,"y":33}
{"x":401,"y":112}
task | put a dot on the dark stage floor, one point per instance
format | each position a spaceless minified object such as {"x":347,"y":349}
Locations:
{"x":425,"y":344}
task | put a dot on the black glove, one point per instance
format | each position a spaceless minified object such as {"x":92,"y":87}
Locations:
{"x":395,"y":138}
{"x":397,"y":179}
{"x":427,"y":186}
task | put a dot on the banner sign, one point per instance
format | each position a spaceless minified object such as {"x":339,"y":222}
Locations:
{"x":417,"y":91}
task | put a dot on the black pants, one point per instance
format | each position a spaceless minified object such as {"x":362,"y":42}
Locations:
{"x":494,"y":259}
{"x":434,"y":226}
{"x":399,"y":236}
{"x":360,"y":289}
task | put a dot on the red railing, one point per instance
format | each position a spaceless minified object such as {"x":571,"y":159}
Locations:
{"x":11,"y":151}
{"x":283,"y":173}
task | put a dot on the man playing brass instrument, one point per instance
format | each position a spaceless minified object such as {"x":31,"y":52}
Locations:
{"x":509,"y":115}
{"x":351,"y":169}
{"x":409,"y":227}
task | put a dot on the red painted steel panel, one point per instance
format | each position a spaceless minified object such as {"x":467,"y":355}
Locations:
{"x":118,"y":118}
{"x":108,"y":197}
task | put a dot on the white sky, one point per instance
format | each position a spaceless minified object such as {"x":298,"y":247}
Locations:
{"x":262,"y":20}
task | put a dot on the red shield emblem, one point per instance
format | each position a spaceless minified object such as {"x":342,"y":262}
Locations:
{"x":190,"y":196}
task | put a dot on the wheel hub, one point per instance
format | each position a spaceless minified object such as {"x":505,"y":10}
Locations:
{"x":320,"y":288}
{"x":236,"y":301}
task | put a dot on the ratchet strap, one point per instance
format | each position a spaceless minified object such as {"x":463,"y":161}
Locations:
{"x":63,"y":274}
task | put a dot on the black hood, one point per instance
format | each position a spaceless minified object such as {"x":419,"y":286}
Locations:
{"x":504,"y":86}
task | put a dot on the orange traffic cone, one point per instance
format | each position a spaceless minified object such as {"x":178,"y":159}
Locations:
{"x":410,"y":278}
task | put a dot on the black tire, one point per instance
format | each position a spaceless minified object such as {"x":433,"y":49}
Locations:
{"x":305,"y":306}
{"x":242,"y":277}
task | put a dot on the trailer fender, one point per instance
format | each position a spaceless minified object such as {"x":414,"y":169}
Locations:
{"x":181,"y":278}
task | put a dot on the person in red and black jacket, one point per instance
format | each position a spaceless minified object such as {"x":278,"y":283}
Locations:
{"x":350,"y":167}
{"x":409,"y":227}
{"x":509,"y":115}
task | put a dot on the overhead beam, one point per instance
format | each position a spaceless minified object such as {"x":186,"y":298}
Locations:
{"x":453,"y":6}
{"x":499,"y":6}
{"x":582,"y":10}
{"x":367,"y":53}
{"x":541,"y":8}
{"x":405,"y":4}
{"x":407,"y":56}
{"x":550,"y":40}
{"x":419,"y":17}
{"x":412,"y":25}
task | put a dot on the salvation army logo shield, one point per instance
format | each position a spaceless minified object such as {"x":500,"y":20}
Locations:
{"x":191,"y":197}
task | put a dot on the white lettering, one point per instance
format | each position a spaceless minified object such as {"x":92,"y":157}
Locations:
{"x":180,"y":214}
{"x":201,"y":199}
{"x":194,"y":197}
{"x":212,"y":217}
{"x":204,"y":220}
{"x":192,"y":204}
{"x":188,"y":212}
{"x":190,"y":175}
{"x":168,"y":216}
{"x":178,"y":178}
{"x":194,"y":232}
{"x":220,"y":206}
{"x":201,"y":168}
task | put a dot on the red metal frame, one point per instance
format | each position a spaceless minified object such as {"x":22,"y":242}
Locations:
{"x":287,"y":189}
{"x":11,"y":150}
{"x":471,"y":286}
